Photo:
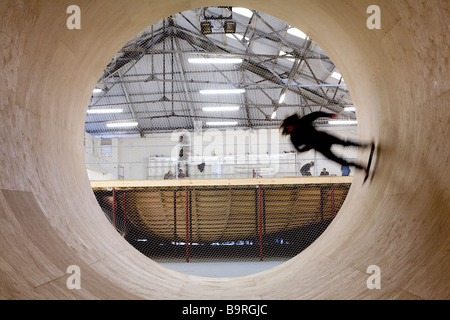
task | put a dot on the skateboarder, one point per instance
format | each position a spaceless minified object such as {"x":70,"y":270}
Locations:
{"x":305,"y":137}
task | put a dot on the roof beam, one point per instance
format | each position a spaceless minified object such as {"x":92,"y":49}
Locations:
{"x":131,"y":106}
{"x":183,"y":76}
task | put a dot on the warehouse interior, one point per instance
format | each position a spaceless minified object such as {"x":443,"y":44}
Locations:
{"x":157,"y":87}
{"x":51,"y":220}
{"x":152,"y":102}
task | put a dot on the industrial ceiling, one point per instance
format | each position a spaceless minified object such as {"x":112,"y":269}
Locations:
{"x":158,"y":81}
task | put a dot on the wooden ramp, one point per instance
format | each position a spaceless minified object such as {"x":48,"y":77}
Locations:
{"x":226,"y":211}
{"x":398,"y":221}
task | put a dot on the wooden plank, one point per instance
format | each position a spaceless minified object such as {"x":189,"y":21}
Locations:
{"x":219,"y":182}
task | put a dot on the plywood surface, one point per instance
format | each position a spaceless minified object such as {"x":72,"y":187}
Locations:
{"x":222,"y":212}
{"x":398,"y":78}
{"x":186,"y":182}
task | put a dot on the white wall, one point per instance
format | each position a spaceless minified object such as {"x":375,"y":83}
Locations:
{"x":226,"y":153}
{"x":102,"y":161}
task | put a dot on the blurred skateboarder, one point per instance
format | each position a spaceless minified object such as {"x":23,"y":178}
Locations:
{"x":305,"y":137}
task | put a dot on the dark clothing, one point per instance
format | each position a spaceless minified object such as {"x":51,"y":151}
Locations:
{"x":305,"y":170}
{"x":326,"y":173}
{"x":168,"y":176}
{"x":305,"y":137}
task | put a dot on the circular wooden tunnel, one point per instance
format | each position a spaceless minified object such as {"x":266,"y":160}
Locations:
{"x":399,"y":221}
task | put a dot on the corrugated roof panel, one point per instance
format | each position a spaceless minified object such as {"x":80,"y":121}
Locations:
{"x":152,"y":79}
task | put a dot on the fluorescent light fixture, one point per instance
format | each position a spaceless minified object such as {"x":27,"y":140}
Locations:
{"x":243,"y":11}
{"x":336,"y":75}
{"x":215,"y":60}
{"x":343,"y":122}
{"x":296,"y":32}
{"x":283,"y":96}
{"x":222,"y":91}
{"x":222,"y":123}
{"x":97,"y":111}
{"x":274,"y":114}
{"x":287,"y":56}
{"x":96,"y":90}
{"x":224,"y":108}
{"x":238,"y":36}
{"x":121,"y":124}
{"x":349,"y":108}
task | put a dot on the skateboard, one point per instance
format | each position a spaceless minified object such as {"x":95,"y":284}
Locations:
{"x":369,"y":163}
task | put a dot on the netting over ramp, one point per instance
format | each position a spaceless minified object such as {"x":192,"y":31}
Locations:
{"x":197,"y":99}
{"x":247,"y":220}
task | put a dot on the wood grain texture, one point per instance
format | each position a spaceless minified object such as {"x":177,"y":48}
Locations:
{"x":398,"y":78}
{"x":223,"y":212}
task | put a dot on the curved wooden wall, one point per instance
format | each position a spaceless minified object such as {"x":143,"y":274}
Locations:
{"x":50,"y":219}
